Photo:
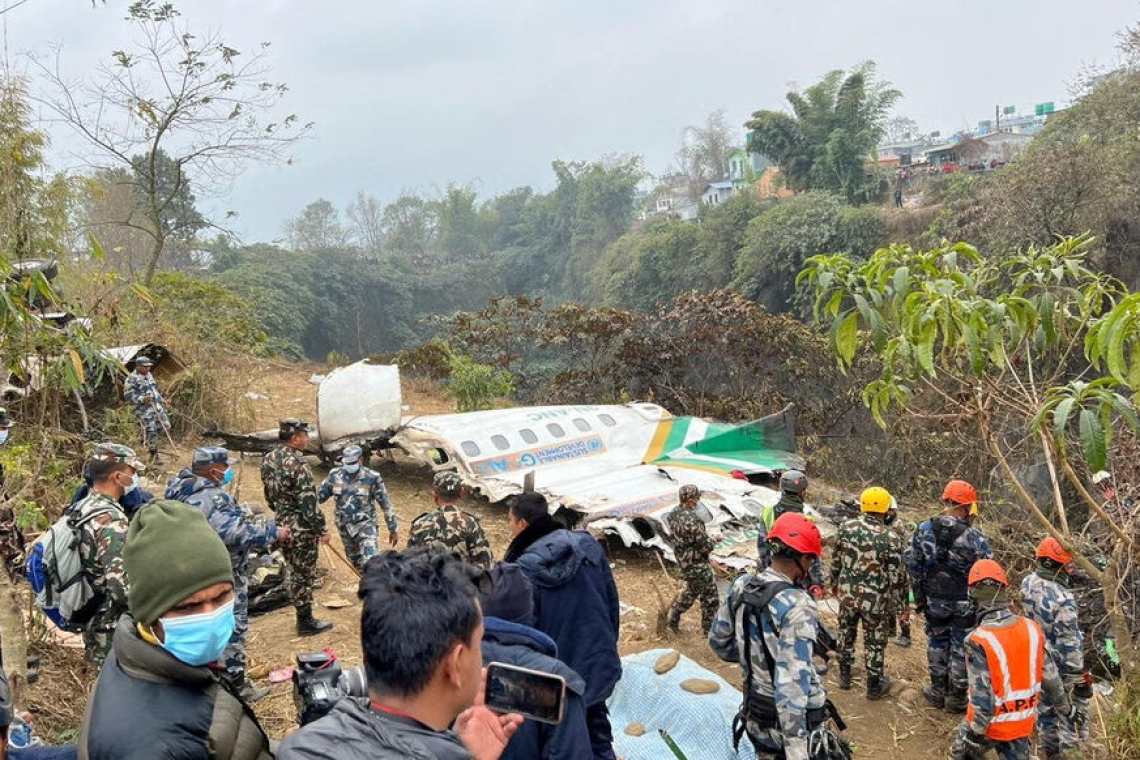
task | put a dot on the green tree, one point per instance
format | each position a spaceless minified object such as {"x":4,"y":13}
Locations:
{"x":995,"y":343}
{"x":192,"y":98}
{"x":649,"y":266}
{"x":316,"y":228}
{"x":834,"y":128}
{"x":457,"y":224}
{"x":410,"y":225}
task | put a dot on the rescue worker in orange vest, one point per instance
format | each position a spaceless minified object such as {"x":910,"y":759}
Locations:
{"x":1006,"y":670}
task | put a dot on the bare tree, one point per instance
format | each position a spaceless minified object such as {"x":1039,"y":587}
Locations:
{"x":366,"y":217}
{"x":705,"y":150}
{"x":195,"y":100}
{"x":900,"y":129}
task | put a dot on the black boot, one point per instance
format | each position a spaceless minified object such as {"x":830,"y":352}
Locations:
{"x":935,"y":693}
{"x":307,"y":625}
{"x":845,"y":675}
{"x":956,"y":701}
{"x":878,"y":687}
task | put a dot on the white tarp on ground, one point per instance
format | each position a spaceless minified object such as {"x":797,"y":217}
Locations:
{"x":358,"y":402}
{"x":700,"y":724}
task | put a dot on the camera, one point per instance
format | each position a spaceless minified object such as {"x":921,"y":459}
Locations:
{"x":319,"y":683}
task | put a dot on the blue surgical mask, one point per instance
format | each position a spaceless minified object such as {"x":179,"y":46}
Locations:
{"x":3,"y":436}
{"x":352,"y":469}
{"x":228,"y":477}
{"x":199,"y":639}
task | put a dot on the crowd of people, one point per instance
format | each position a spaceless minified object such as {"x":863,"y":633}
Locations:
{"x":167,"y":630}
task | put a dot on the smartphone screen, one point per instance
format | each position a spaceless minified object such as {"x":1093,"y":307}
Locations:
{"x":529,"y":693}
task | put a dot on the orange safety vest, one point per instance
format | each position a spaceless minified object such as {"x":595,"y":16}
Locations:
{"x":1016,"y":659}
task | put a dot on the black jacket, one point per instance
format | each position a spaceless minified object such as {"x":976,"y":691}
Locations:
{"x":355,"y":731}
{"x":148,"y":705}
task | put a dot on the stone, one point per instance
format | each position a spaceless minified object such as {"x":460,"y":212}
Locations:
{"x":666,"y":662}
{"x":635,"y":729}
{"x":700,"y":686}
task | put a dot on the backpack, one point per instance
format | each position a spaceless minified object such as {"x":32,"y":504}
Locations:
{"x":63,"y":589}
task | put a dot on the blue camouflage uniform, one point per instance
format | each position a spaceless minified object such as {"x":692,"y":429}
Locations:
{"x":141,"y":392}
{"x":240,"y":531}
{"x":357,"y":495}
{"x":941,"y":553}
{"x":1046,"y":599}
{"x":790,"y":693}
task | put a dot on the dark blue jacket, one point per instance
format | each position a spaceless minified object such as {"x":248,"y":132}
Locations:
{"x":576,"y":604}
{"x":520,"y":645}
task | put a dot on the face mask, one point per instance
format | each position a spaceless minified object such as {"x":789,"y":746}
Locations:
{"x":352,"y":469}
{"x":3,"y":436}
{"x":132,"y":485}
{"x":890,"y":518}
{"x":228,"y":477}
{"x":199,"y":639}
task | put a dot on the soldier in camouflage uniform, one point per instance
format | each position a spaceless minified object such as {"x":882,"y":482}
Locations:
{"x":141,"y":392}
{"x":793,"y":486}
{"x":11,"y":537}
{"x":101,"y":541}
{"x":868,"y":576}
{"x":768,"y":624}
{"x":941,"y":553}
{"x":291,"y":493}
{"x":692,"y":546}
{"x":202,"y":486}
{"x":358,"y":490}
{"x":1045,"y":598}
{"x":449,"y":526}
{"x":1005,"y":686}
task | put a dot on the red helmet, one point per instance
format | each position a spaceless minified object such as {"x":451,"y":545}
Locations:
{"x":987,"y":570}
{"x":797,"y":532}
{"x":960,"y":492}
{"x":1051,"y":548}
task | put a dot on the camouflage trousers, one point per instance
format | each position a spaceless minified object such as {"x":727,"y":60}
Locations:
{"x":234,"y":658}
{"x":97,"y":645}
{"x":1056,"y":734}
{"x":1017,"y":749}
{"x":153,"y":423}
{"x":699,"y":585}
{"x":947,"y":624}
{"x":301,"y":566}
{"x":877,"y":627}
{"x":359,"y":538}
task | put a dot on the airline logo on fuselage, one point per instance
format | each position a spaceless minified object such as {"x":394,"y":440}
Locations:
{"x":541,"y":456}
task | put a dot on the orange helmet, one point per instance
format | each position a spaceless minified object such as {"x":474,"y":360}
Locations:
{"x":960,"y":492}
{"x":1051,"y":548}
{"x":797,"y":532}
{"x":987,"y":570}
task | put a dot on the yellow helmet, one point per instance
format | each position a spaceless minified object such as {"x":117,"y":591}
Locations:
{"x":875,"y":499}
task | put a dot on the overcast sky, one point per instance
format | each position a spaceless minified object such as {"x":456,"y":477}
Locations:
{"x":412,"y":95}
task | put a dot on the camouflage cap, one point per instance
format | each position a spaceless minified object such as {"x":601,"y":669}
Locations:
{"x":352,"y":455}
{"x":447,"y":483}
{"x":689,"y":492}
{"x":144,"y":361}
{"x":117,"y":452}
{"x":5,"y":420}
{"x":287,"y":427}
{"x":211,"y":455}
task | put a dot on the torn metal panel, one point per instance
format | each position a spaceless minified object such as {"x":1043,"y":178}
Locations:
{"x":618,"y":467}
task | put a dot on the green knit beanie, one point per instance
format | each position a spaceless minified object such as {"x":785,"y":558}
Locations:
{"x":171,"y":554}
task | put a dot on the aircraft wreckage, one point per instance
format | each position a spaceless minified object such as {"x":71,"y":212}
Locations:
{"x":613,"y":468}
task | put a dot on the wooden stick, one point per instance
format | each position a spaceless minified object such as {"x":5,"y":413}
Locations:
{"x":342,"y":558}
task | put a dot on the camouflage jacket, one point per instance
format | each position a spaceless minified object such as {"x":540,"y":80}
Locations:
{"x":137,"y":386}
{"x":101,"y":543}
{"x":867,"y":565}
{"x":789,"y":502}
{"x":290,"y":491}
{"x":691,"y":542}
{"x":239,"y":530}
{"x":979,"y":679}
{"x":790,"y":631}
{"x":1053,"y":607}
{"x":355,"y":494}
{"x":452,"y":528}
{"x":931,"y":569}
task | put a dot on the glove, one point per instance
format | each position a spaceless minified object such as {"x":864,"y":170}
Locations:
{"x":919,"y":605}
{"x":796,"y":749}
{"x":816,"y":591}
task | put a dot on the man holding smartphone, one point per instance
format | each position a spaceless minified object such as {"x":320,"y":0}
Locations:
{"x":422,"y":632}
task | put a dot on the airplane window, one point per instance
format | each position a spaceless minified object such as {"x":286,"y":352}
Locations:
{"x":556,"y":430}
{"x":607,"y":420}
{"x":500,"y":442}
{"x":528,"y":435}
{"x":581,"y":424}
{"x":470,"y":448}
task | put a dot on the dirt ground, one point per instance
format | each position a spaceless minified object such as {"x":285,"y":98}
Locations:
{"x":899,"y":727}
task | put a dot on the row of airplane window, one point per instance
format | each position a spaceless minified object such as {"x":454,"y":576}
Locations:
{"x":501,"y":443}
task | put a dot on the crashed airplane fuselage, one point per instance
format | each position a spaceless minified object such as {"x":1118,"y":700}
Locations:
{"x":617,"y":467}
